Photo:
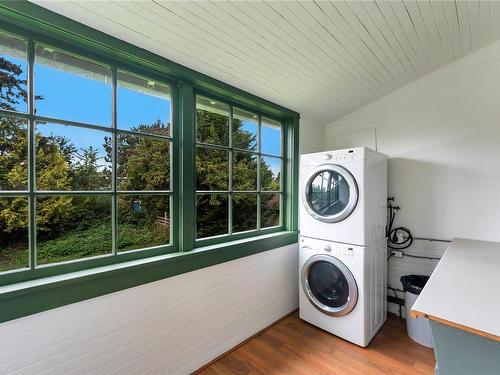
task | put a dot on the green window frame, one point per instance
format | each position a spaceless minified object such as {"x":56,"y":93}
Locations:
{"x":43,"y":287}
{"x":114,"y":192}
{"x":232,"y":192}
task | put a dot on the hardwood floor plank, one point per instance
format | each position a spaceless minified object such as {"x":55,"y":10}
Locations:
{"x":293,"y":346}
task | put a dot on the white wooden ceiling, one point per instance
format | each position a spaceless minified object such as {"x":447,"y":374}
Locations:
{"x":323,"y":59}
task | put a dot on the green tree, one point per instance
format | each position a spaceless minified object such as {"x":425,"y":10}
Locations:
{"x":212,"y":174}
{"x":12,"y":87}
{"x":87,"y":173}
{"x":13,"y":154}
{"x":52,"y":172}
{"x":143,"y":163}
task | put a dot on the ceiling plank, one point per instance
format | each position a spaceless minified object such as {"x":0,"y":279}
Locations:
{"x":410,"y":30}
{"x":464,"y":27}
{"x":380,"y":21}
{"x":385,"y":55}
{"x":338,"y":27}
{"x":410,"y":48}
{"x":275,"y":64}
{"x":475,"y":24}
{"x":351,"y":66}
{"x":433,"y":50}
{"x":495,"y":20}
{"x":485,"y":21}
{"x":393,"y":52}
{"x":451,"y":11}
{"x":334,"y":73}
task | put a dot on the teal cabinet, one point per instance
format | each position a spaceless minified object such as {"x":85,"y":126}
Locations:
{"x":460,"y":352}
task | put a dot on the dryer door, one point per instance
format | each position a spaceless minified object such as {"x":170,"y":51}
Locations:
{"x":329,"y":285}
{"x":330,"y":193}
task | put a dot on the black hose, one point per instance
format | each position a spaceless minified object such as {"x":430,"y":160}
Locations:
{"x":395,"y":243}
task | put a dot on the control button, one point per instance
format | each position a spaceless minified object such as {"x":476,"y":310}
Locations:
{"x":328,"y":156}
{"x":328,"y":248}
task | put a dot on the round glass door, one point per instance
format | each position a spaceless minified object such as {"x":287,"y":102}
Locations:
{"x":330,"y":193}
{"x":329,"y":285}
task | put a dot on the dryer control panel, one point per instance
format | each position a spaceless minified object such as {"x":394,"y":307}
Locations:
{"x":335,"y":157}
{"x":343,"y":156}
{"x":343,"y":251}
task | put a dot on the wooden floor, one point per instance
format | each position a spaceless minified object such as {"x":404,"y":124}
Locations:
{"x":293,"y":346}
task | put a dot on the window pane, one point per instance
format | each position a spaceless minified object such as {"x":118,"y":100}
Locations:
{"x":270,"y":210}
{"x":212,"y":121}
{"x":244,"y":212}
{"x":212,"y":169}
{"x":143,"y":221}
{"x":270,"y":174}
{"x":244,"y":171}
{"x":211,"y":215}
{"x":13,"y":154}
{"x":245,"y":129}
{"x":71,"y":88}
{"x":270,"y":133}
{"x":72,"y":227}
{"x":72,"y":158}
{"x":13,"y":74}
{"x":143,"y":163}
{"x":143,"y":105}
{"x":13,"y":233}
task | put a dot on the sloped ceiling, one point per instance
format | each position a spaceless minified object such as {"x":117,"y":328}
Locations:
{"x":323,"y":59}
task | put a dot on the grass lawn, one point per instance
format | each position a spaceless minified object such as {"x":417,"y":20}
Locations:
{"x":77,"y":244}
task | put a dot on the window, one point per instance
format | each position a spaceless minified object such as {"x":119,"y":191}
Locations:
{"x":94,"y":184}
{"x":109,"y":157}
{"x":238,"y":170}
{"x":14,"y":238}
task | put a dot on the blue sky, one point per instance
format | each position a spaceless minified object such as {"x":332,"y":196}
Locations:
{"x":72,"y":97}
{"x":271,"y":140}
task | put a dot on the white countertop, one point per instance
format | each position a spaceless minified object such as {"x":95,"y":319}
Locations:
{"x":464,"y":289}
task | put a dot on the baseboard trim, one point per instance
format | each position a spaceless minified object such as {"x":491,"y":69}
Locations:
{"x":242,"y":343}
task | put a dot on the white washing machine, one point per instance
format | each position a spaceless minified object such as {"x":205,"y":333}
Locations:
{"x":342,"y":288}
{"x":344,"y":196}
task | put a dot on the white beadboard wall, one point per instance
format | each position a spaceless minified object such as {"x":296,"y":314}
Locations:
{"x":172,"y":326}
{"x":442,"y":135}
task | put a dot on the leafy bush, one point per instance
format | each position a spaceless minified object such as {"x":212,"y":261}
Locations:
{"x":76,"y":244}
{"x":132,"y":237}
{"x":13,"y":256}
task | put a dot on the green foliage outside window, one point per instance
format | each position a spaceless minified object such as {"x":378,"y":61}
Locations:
{"x":75,"y":226}
{"x":239,"y":179}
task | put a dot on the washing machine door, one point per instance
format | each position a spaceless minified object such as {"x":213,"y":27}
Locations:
{"x":329,"y":285}
{"x":330,"y":193}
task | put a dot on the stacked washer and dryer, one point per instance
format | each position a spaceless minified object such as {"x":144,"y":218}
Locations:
{"x":342,"y":262}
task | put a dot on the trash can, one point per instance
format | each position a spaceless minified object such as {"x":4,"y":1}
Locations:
{"x":418,"y":328}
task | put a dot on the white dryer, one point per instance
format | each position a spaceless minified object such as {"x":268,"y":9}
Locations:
{"x":344,"y":196}
{"x":342,"y":288}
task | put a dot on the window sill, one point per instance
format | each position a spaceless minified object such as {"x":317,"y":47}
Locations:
{"x":29,"y":297}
